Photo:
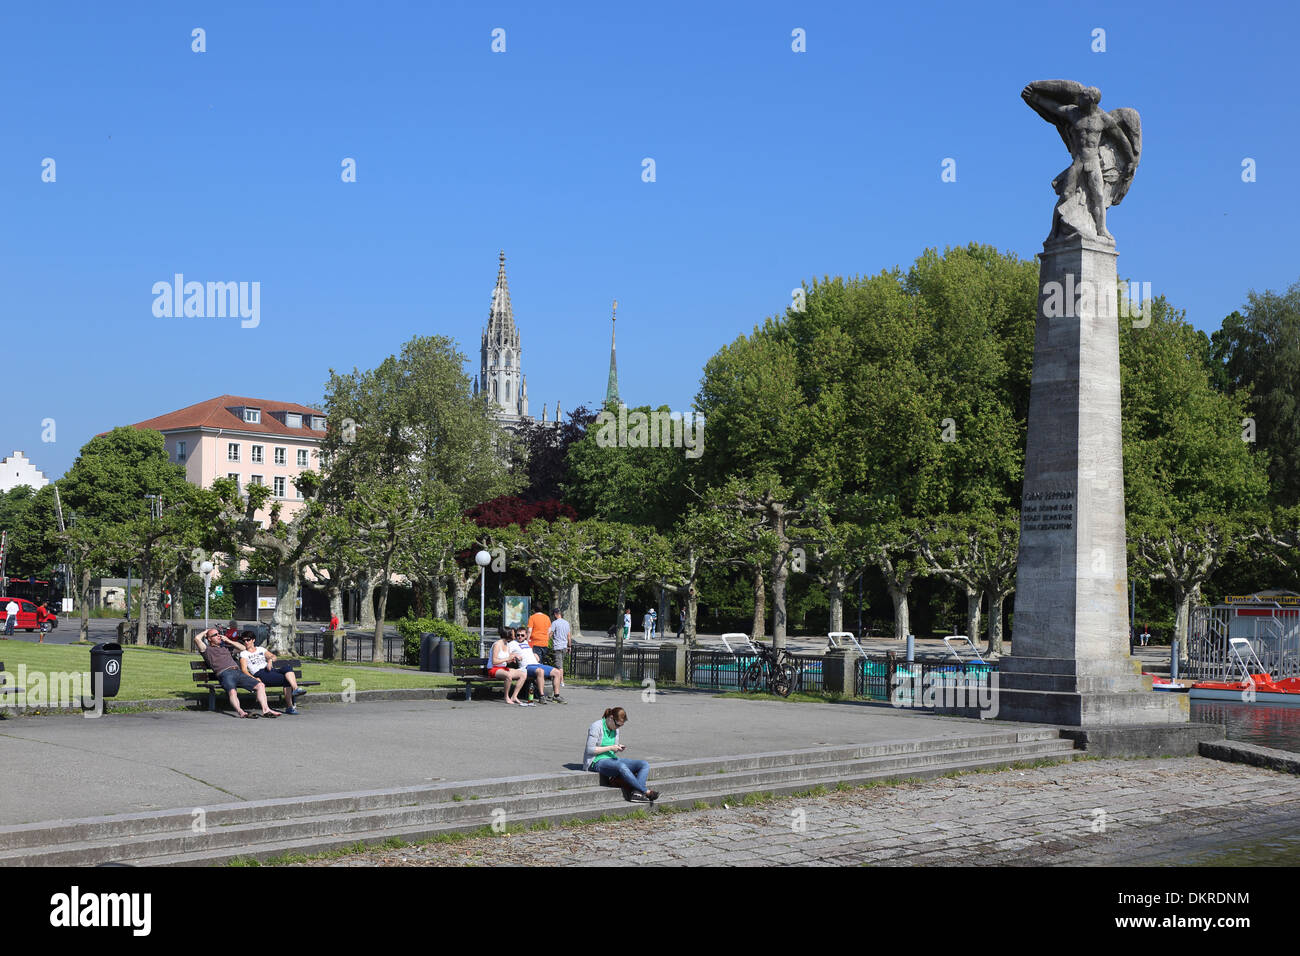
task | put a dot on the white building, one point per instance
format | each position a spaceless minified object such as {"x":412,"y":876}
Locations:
{"x":17,"y":470}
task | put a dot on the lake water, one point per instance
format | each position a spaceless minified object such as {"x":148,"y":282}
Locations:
{"x":1263,"y":724}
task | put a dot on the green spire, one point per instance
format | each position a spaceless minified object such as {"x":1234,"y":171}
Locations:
{"x":611,"y":389}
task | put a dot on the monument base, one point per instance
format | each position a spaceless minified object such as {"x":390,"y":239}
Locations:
{"x":1083,"y":693}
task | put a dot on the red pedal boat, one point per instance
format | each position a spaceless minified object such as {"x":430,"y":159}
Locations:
{"x":1254,"y":686}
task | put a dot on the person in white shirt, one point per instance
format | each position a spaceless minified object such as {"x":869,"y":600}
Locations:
{"x":11,"y":616}
{"x":256,"y":663}
{"x":521,"y":649}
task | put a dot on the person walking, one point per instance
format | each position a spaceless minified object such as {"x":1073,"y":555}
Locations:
{"x":627,"y":622}
{"x":11,"y":617}
{"x":601,"y":756}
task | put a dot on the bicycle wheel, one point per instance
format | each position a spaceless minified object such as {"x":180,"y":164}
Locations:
{"x":751,"y":679}
{"x":782,"y":680}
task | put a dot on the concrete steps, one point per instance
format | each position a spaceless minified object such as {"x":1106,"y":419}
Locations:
{"x":313,"y":824}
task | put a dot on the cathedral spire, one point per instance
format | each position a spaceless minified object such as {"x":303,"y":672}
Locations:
{"x":502,"y":315}
{"x":611,"y":389}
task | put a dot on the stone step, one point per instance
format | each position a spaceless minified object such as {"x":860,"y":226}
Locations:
{"x":343,"y":817}
{"x":121,"y":826}
{"x":715,"y":796}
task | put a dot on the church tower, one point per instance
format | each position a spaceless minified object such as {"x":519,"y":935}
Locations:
{"x":611,"y":386}
{"x":501,"y":380}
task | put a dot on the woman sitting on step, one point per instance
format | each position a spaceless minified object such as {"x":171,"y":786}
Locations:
{"x":601,"y":756}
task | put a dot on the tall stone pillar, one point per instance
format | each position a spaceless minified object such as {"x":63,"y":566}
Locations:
{"x":1070,"y":662}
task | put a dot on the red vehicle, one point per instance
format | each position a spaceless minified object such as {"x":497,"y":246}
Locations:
{"x":31,"y":616}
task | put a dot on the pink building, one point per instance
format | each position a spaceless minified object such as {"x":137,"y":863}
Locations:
{"x":253,"y":440}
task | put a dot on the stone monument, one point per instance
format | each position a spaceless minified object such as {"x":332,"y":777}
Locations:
{"x":1070,"y":662}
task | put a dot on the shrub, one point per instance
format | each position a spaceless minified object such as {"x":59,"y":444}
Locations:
{"x":464,"y":644}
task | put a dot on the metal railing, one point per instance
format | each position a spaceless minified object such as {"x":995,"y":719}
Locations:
{"x":351,"y":647}
{"x":883,"y":679}
{"x":597,"y":662}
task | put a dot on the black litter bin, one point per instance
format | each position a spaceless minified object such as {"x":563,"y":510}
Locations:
{"x":442,"y":657}
{"x":106,"y":666}
{"x":435,"y":653}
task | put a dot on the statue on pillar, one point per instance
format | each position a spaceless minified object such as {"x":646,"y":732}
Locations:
{"x":1104,"y":150}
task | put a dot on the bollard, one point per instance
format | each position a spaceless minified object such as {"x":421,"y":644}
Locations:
{"x":1173,"y":659}
{"x":911,"y":648}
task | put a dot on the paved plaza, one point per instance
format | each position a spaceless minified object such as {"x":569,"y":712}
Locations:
{"x":68,"y":767}
{"x":1174,"y":812}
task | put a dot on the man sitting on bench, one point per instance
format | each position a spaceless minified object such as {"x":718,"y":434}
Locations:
{"x":257,"y":663}
{"x":212,"y":645}
{"x":521,"y":649}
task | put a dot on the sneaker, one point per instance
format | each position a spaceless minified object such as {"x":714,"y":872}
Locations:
{"x":542,"y":700}
{"x":636,"y":797}
{"x":299,"y":692}
{"x":291,"y":710}
{"x":652,"y":795}
{"x":558,"y":699}
{"x":527,"y":703}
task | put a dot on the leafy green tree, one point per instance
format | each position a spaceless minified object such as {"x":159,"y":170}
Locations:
{"x":1259,"y":352}
{"x":406,"y":440}
{"x":1194,"y":491}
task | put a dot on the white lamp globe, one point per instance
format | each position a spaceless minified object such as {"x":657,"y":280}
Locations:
{"x":482,"y":559}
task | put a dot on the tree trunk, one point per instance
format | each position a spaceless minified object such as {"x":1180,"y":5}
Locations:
{"x":377,"y":647}
{"x":661,"y":625}
{"x":1183,"y":601}
{"x":439,"y":599}
{"x":460,"y":599}
{"x":974,"y":602}
{"x":83,"y":599}
{"x":572,"y":611}
{"x":760,"y":606}
{"x":780,"y":575}
{"x":286,"y":606}
{"x":366,"y":612}
{"x":996,"y":599}
{"x":902,"y":617}
{"x":335,"y":592}
{"x":835,"y":598}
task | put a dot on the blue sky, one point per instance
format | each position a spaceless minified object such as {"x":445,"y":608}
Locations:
{"x":772,"y":167}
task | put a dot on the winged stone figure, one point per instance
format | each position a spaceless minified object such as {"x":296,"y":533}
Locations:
{"x":1104,"y":151}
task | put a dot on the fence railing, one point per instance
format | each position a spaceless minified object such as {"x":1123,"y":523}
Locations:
{"x":351,"y":647}
{"x":596,"y":662}
{"x":882,"y":679}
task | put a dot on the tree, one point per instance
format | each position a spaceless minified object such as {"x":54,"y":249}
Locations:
{"x":542,"y":453}
{"x":1259,"y":352}
{"x":406,"y":440}
{"x":1193,"y":489}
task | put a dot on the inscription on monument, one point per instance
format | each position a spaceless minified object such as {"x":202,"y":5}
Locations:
{"x":1047,"y":511}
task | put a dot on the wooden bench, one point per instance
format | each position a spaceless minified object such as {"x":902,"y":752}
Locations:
{"x":471,"y":671}
{"x":207,"y":679}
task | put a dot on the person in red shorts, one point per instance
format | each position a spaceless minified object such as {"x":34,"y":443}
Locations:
{"x":505,"y":666}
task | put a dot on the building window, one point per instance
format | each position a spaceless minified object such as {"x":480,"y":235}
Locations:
{"x":279,"y":486}
{"x":235,"y":476}
{"x":302,"y":457}
{"x":280,"y":455}
{"x":292,"y":420}
{"x":253,"y":416}
{"x":255,"y":480}
{"x":297,"y":492}
{"x":318,"y":423}
{"x":256,"y":456}
{"x":180,"y":451}
{"x":232,"y":451}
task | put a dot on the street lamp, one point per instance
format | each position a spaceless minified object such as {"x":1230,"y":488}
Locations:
{"x":206,"y":570}
{"x":482,"y":559}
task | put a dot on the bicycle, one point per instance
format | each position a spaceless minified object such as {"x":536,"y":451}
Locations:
{"x":777,"y":672}
{"x":160,"y":635}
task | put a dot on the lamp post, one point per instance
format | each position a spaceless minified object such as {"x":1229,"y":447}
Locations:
{"x":206,"y":570}
{"x":482,"y":559}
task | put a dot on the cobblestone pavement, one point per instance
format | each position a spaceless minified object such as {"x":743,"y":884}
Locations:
{"x":1087,"y":813}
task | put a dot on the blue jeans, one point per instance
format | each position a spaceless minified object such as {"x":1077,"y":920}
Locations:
{"x":634,"y":773}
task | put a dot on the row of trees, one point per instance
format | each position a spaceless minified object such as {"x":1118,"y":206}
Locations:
{"x":877,"y":431}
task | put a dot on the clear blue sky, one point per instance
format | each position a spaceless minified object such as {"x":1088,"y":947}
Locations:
{"x":773,"y":167}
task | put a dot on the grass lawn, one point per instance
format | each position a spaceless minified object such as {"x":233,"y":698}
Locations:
{"x":150,"y":673}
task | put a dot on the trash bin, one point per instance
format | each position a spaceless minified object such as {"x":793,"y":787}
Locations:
{"x":106,"y":666}
{"x":442,"y":657}
{"x":428,"y":650}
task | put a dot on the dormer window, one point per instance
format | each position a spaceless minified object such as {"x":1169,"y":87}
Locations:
{"x":292,"y":420}
{"x":318,"y":423}
{"x":253,"y":416}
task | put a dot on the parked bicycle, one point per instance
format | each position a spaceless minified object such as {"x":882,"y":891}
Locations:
{"x":160,"y":635}
{"x":778,"y":672}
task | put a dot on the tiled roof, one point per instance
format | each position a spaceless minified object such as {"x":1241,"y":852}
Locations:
{"x":218,"y":413}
